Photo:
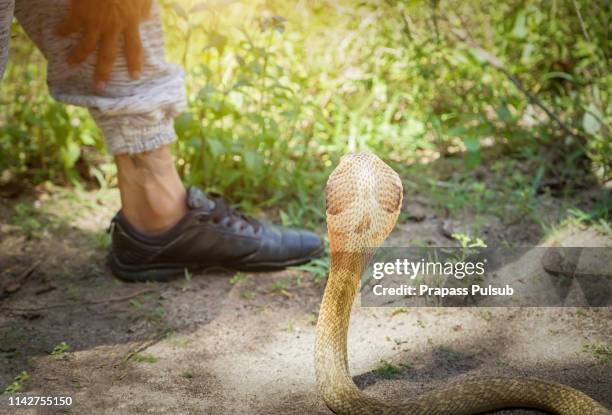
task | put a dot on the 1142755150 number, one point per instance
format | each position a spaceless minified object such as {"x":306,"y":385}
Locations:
{"x":40,"y":401}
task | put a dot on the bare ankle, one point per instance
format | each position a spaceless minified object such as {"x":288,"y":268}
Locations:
{"x":152,"y":195}
{"x":155,"y":218}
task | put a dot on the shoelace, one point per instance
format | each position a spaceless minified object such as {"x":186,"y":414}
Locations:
{"x":223,"y":210}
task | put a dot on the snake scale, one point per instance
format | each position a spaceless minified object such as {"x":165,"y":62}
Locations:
{"x":363,"y":198}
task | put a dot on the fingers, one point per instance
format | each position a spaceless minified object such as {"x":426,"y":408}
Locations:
{"x":72,"y":24}
{"x":106,"y":57}
{"x":145,"y":10}
{"x":133,"y":50}
{"x":102,"y":23}
{"x":86,"y":46}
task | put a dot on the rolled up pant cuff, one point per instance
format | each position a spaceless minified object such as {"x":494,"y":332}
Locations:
{"x":126,"y":138}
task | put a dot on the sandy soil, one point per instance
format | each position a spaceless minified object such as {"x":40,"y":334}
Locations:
{"x":221,"y":345}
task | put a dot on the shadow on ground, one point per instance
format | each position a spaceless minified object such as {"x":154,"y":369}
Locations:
{"x":223,"y":344}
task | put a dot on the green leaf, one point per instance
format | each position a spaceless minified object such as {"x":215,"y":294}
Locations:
{"x":590,"y":123}
{"x":206,"y":71}
{"x":87,"y":138}
{"x":70,"y":154}
{"x":472,"y":144}
{"x":285,"y":219}
{"x":479,"y":54}
{"x":519,"y":30}
{"x":195,"y":141}
{"x":217,"y":41}
{"x":182,"y":123}
{"x":208,"y":89}
{"x":561,"y":75}
{"x":216,"y":147}
{"x":504,"y":114}
{"x":472,"y":157}
{"x":252,"y":160}
{"x":457,"y":131}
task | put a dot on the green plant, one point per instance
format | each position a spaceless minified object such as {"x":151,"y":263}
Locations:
{"x":599,"y":350}
{"x":144,"y":358}
{"x":17,"y":384}
{"x":239,"y":278}
{"x":387,"y":369}
{"x":188,"y":275}
{"x":467,"y":241}
{"x":318,"y":268}
{"x":101,"y":240}
{"x":60,"y":349}
{"x":279,"y":285}
{"x":271,"y":107}
{"x":25,"y":217}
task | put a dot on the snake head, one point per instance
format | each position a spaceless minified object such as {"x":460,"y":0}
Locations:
{"x":363,"y":197}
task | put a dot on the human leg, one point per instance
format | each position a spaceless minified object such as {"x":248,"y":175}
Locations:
{"x":161,"y":229}
{"x":135,"y":116}
{"x":6,"y":17}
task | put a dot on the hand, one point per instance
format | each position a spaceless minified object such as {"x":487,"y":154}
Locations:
{"x":102,"y":22}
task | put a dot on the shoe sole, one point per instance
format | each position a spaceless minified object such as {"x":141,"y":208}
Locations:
{"x":167,"y":272}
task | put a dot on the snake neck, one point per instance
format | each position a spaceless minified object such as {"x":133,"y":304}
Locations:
{"x":331,"y":359}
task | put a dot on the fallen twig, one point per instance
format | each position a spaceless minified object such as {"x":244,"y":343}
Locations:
{"x":26,"y":274}
{"x":72,"y":304}
{"x":20,"y":280}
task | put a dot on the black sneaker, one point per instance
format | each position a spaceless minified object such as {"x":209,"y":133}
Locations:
{"x":211,"y":235}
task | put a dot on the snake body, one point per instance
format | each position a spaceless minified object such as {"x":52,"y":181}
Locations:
{"x":363,"y":198}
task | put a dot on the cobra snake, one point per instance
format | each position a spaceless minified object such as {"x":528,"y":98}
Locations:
{"x":363,"y":198}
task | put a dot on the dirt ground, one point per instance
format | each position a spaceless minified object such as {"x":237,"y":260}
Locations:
{"x":219,"y":343}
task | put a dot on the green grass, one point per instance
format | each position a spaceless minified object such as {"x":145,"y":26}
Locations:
{"x":18,"y":383}
{"x":179,"y":340}
{"x":600,"y":351}
{"x":318,"y":268}
{"x":60,"y":349}
{"x":101,"y":240}
{"x":240,"y":278}
{"x":144,"y":358}
{"x":279,"y":285}
{"x":387,"y":369}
